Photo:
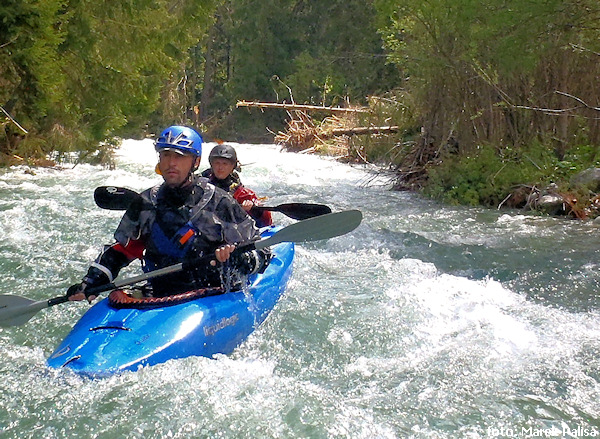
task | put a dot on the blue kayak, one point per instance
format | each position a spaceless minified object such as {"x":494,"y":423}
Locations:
{"x":120,"y":333}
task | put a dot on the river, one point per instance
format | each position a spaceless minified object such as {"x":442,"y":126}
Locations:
{"x":427,"y":321}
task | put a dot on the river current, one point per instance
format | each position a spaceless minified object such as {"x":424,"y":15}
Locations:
{"x":427,"y":321}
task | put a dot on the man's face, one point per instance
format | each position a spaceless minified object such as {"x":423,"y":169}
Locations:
{"x":222,"y":167}
{"x":175,"y":167}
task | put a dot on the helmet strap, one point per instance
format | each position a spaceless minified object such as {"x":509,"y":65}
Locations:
{"x":190,"y":177}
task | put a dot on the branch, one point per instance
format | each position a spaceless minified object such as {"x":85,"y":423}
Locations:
{"x":13,"y":121}
{"x":359,"y":131}
{"x":561,"y":110}
{"x":583,"y":49}
{"x":578,"y":100}
{"x":300,"y":107}
{"x":8,"y":42}
{"x":546,"y":110}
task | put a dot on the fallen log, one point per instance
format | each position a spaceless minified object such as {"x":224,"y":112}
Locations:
{"x":300,"y":107}
{"x":357,"y":131}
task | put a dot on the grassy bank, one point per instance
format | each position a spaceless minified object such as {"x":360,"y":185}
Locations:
{"x":474,"y":174}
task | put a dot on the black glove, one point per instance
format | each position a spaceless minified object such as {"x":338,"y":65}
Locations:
{"x":249,"y":262}
{"x":93,"y":278}
{"x":244,"y":260}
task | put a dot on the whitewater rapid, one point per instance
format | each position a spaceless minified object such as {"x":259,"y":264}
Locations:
{"x":427,"y":321}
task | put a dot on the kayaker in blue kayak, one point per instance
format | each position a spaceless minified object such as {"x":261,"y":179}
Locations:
{"x":184,"y":218}
{"x":223,"y":173}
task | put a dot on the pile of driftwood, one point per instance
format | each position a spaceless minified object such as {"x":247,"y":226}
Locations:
{"x":330,"y":135}
{"x":301,"y":134}
{"x":304,"y":135}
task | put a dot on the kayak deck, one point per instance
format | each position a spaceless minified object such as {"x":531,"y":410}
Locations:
{"x":108,"y":340}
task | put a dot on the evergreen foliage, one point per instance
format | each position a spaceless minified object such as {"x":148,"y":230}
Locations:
{"x":31,"y":78}
{"x":308,"y":52}
{"x":511,"y":74}
{"x":76,"y":73}
{"x":488,"y":94}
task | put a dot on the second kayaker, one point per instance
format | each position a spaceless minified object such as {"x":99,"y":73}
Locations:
{"x":223,"y":173}
{"x":184,"y":218}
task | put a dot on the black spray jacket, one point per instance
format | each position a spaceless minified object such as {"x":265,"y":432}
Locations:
{"x":172,"y":225}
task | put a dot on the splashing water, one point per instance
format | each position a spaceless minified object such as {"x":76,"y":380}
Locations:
{"x":425,"y":322}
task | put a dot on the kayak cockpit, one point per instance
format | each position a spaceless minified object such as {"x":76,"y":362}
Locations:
{"x":121,"y":299}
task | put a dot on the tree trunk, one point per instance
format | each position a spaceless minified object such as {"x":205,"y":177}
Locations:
{"x":209,"y":71}
{"x":299,"y":107}
{"x":357,"y":131}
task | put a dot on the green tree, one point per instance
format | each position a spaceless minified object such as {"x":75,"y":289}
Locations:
{"x":121,"y":55}
{"x":312,"y":52}
{"x":326,"y":52}
{"x":31,"y":78}
{"x":341,"y":53}
{"x":473,"y":66}
{"x":79,"y":72}
{"x":504,"y":73}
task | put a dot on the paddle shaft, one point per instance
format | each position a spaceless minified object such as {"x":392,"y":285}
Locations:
{"x":297,"y":211}
{"x":16,"y":310}
{"x":120,"y":198}
{"x":313,"y":229}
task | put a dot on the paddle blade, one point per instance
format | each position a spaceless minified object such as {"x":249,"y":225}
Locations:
{"x":315,"y":229}
{"x":16,"y":310}
{"x":114,"y":198}
{"x":301,"y":211}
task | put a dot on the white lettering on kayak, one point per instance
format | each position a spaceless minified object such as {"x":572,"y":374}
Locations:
{"x":223,"y":323}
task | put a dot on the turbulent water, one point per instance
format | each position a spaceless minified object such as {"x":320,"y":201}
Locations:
{"x":425,"y":322}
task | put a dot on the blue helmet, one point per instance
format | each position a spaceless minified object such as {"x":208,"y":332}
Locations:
{"x":180,"y":139}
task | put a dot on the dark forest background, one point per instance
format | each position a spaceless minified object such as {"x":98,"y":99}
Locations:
{"x":486,"y":93}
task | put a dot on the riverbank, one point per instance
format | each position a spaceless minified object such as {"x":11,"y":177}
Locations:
{"x":532,"y":177}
